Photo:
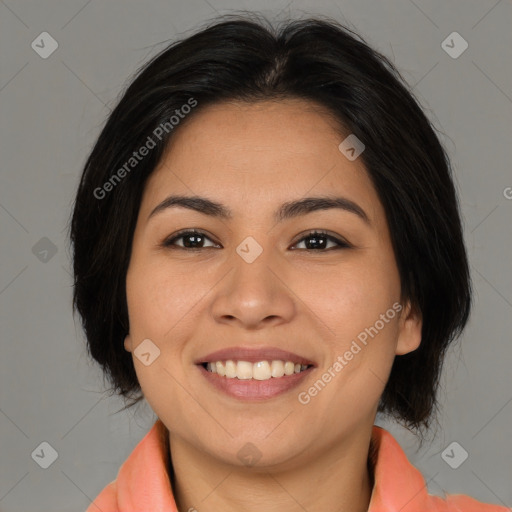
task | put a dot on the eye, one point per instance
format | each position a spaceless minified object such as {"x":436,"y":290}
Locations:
{"x":192,"y":239}
{"x":319,"y":240}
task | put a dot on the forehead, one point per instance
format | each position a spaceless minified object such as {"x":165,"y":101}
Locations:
{"x":257,"y":153}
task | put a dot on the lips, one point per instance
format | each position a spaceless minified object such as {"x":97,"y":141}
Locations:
{"x":254,"y":374}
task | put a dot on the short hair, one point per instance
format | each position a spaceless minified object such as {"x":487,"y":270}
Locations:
{"x":245,"y":58}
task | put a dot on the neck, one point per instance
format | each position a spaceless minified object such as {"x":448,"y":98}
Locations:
{"x":339,"y":478}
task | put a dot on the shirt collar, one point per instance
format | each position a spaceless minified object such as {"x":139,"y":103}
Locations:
{"x":398,"y":484}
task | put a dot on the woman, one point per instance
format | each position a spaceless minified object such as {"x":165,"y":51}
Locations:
{"x":268,"y":249}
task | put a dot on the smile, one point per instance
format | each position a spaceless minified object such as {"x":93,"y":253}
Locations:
{"x":254,"y":373}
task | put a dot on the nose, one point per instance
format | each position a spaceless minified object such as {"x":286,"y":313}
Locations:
{"x":255,"y":294}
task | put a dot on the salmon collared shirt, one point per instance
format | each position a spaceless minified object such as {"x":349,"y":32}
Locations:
{"x":143,"y":483}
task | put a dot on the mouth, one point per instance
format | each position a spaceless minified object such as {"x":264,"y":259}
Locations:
{"x":254,"y":374}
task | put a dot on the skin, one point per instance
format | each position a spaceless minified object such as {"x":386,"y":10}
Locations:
{"x":253,"y":158}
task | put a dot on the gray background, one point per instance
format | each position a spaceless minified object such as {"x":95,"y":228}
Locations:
{"x":51,"y":111}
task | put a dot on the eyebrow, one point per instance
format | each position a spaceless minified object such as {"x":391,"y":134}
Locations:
{"x":286,"y":211}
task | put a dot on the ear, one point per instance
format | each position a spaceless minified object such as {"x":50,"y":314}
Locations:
{"x":128,"y":343}
{"x":409,"y":334}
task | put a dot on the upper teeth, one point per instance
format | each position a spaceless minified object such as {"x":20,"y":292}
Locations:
{"x":262,"y":370}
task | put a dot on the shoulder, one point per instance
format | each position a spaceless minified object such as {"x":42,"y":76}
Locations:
{"x":398,"y":485}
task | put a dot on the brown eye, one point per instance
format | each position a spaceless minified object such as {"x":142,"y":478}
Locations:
{"x":318,"y":240}
{"x":191,"y":239}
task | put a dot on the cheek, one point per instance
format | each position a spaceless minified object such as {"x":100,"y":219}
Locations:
{"x":357,"y":307}
{"x":366,"y":323}
{"x":160,"y":295}
{"x":352,"y":297}
{"x":161,"y":308}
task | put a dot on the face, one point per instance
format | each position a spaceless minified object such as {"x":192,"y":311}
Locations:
{"x":259,"y":287}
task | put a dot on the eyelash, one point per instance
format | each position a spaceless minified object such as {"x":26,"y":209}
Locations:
{"x":169,"y":242}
